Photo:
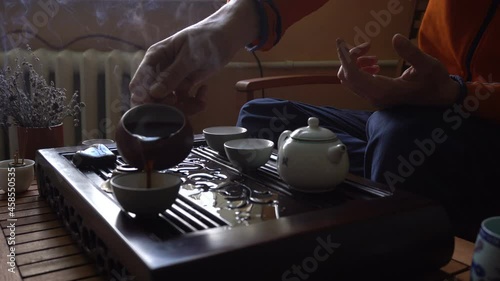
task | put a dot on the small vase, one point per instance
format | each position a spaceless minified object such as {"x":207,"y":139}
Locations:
{"x":16,"y":178}
{"x":32,"y":139}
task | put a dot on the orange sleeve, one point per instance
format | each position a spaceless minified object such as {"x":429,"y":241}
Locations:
{"x":276,"y":16}
{"x":483,"y":100}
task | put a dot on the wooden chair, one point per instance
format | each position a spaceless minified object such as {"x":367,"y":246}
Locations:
{"x":249,"y":86}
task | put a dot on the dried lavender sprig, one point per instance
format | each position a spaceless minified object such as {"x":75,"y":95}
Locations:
{"x":33,"y":102}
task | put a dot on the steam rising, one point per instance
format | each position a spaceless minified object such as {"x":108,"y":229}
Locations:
{"x":55,"y":23}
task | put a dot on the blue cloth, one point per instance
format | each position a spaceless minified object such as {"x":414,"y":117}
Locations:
{"x":441,"y":153}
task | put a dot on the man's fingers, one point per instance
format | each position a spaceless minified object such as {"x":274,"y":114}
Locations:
{"x":409,"y":52}
{"x":344,"y":56}
{"x":142,"y":80}
{"x":372,"y":69}
{"x":136,"y":100}
{"x":191,"y":81}
{"x":349,"y":72}
{"x":168,"y":80}
{"x":359,"y":50}
{"x":147,"y":81}
{"x":193,"y":105}
{"x":340,"y":74}
{"x":366,"y":61}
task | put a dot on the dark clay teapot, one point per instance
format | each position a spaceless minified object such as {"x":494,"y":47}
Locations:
{"x":154,"y":134}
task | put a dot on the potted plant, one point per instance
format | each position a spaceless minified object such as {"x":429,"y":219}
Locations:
{"x":16,"y":175}
{"x":36,"y":107}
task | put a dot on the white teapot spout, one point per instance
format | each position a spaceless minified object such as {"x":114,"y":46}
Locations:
{"x":336,"y":152}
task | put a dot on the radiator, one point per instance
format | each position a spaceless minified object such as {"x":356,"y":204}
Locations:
{"x":102,"y":80}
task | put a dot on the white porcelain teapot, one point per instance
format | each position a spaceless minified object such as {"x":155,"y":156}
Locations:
{"x":312,"y":158}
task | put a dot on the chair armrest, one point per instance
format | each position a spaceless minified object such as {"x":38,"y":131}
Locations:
{"x":285,"y":80}
{"x":250,"y":85}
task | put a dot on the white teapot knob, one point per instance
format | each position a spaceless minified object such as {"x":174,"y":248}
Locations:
{"x":313,"y":122}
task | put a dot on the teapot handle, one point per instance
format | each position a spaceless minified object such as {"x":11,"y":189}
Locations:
{"x":335,"y":153}
{"x":283,"y":137}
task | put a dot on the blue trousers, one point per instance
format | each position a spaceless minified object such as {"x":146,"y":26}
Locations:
{"x":442,"y":153}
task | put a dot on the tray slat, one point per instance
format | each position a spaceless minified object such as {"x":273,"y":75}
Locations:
{"x":46,"y":266}
{"x":67,"y":274}
{"x":32,"y":219}
{"x":39,"y":235}
{"x":52,"y":253}
{"x":44,"y":244}
{"x":34,"y":227}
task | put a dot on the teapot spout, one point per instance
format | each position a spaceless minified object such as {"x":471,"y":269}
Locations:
{"x":336,"y":152}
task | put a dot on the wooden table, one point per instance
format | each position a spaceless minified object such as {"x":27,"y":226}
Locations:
{"x":45,"y":250}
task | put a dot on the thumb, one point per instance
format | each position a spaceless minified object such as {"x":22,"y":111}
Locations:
{"x":409,"y":52}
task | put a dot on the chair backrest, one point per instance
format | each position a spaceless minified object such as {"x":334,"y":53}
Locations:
{"x":419,"y":7}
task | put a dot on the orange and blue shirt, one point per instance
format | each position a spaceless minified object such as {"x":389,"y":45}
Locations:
{"x":464,"y":35}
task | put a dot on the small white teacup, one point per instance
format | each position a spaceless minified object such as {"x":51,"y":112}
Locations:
{"x":90,"y":142}
{"x":486,"y":257}
{"x":133,"y":195}
{"x":16,"y":179}
{"x":248,"y":154}
{"x":217,"y":136}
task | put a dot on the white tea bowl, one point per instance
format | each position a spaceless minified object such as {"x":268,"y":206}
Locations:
{"x":133,"y":195}
{"x":217,"y":136}
{"x":16,"y":179}
{"x":90,"y":142}
{"x":486,"y":258}
{"x":248,"y":154}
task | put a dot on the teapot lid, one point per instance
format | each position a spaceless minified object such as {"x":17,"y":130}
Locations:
{"x":313,"y":132}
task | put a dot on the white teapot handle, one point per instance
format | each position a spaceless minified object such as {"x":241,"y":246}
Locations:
{"x":283,"y":137}
{"x":335,"y":153}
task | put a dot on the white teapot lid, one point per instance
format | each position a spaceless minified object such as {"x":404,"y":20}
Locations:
{"x":313,"y":132}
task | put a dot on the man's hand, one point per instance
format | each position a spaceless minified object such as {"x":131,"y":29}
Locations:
{"x":173,"y":69}
{"x":426,"y":82}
